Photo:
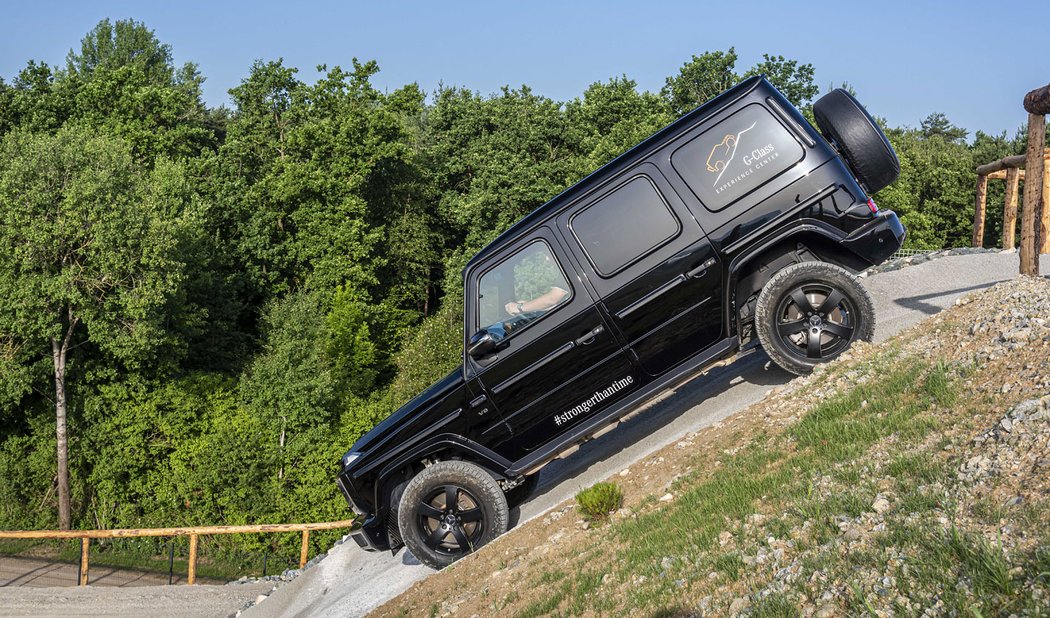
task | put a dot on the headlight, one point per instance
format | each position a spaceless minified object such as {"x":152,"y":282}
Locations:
{"x":350,"y":458}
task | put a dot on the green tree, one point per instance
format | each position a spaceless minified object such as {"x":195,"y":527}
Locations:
{"x":84,"y":255}
{"x":126,"y":83}
{"x":707,"y":75}
{"x":791,"y":78}
{"x":612,"y":117}
{"x":700,"y":80}
{"x":934,"y":193}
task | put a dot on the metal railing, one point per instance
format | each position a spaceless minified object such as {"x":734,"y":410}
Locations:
{"x":193,"y":532}
{"x":902,"y":253}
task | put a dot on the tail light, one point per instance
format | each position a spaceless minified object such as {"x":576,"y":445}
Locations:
{"x":872,"y":206}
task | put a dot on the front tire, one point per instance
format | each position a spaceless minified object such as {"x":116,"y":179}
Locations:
{"x":449,"y":510}
{"x":810,"y":313}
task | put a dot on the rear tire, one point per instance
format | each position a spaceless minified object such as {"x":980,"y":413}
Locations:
{"x":810,"y":313}
{"x":449,"y":510}
{"x":844,"y":121}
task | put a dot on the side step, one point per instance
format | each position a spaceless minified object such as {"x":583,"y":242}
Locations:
{"x":648,"y":404}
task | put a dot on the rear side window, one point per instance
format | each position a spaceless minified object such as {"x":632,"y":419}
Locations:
{"x":736,"y":156}
{"x":623,"y":226}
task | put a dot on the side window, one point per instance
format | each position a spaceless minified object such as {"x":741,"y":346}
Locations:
{"x":736,"y":156}
{"x":521,"y":289}
{"x":624,"y":225}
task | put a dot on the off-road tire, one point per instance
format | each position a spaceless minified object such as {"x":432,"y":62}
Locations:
{"x":424,"y":509}
{"x":845,"y":122}
{"x":788,"y":332}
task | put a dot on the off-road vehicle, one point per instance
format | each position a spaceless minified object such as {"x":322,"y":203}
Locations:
{"x":739,"y":223}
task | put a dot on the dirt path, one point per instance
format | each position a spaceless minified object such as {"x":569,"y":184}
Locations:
{"x":36,"y":573}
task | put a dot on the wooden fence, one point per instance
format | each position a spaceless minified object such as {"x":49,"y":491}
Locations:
{"x":1035,"y":217}
{"x":194,"y":532}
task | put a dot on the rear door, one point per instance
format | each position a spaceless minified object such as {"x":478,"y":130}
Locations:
{"x":558,"y":362}
{"x":651,"y":265}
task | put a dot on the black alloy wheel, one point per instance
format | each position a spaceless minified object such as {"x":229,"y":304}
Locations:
{"x":449,"y":510}
{"x":814,"y":321}
{"x":810,"y":313}
{"x":451,"y":520}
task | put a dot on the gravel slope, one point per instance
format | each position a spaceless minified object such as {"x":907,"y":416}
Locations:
{"x":350,"y":582}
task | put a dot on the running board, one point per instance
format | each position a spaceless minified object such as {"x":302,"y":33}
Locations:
{"x":646,"y":404}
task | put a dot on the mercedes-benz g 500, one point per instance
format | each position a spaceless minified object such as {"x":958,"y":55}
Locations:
{"x":739,"y":223}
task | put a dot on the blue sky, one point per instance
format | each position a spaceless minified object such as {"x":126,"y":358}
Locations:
{"x":905,"y":59}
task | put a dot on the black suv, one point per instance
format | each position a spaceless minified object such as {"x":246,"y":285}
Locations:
{"x":739,"y":223}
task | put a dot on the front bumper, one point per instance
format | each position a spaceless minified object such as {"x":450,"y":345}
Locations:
{"x":371,"y":536}
{"x":878,"y":239}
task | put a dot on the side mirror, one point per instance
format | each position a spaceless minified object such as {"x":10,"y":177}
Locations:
{"x":481,"y":344}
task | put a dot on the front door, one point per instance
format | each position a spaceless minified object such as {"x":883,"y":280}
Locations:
{"x":556,"y":362}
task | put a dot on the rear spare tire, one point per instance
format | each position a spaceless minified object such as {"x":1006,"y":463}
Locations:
{"x":845,"y":122}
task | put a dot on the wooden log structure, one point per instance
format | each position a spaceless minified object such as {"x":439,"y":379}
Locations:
{"x":1037,"y":104}
{"x":305,"y":549}
{"x":1001,"y":175}
{"x":978,"y":210}
{"x":191,"y":570}
{"x":1001,"y":164}
{"x":193,"y":532}
{"x":1038,"y":101}
{"x":1012,"y":169}
{"x":1044,"y":227}
{"x":84,"y":544}
{"x":185,"y":531}
{"x":1010,"y":210}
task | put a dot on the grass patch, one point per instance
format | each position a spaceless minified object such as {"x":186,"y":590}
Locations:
{"x":597,"y":501}
{"x":776,"y":605}
{"x":829,"y":440}
{"x":729,"y":564}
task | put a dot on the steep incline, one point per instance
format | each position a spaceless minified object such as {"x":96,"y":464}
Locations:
{"x":350,"y":582}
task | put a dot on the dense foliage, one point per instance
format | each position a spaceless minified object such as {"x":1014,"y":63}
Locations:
{"x":247,"y":291}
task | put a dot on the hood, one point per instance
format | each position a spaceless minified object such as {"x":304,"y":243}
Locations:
{"x":435,"y":393}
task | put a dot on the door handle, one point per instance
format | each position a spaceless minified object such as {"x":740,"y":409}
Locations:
{"x":700,"y":270}
{"x":589,"y":337}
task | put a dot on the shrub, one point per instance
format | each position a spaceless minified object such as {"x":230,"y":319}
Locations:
{"x":599,"y":500}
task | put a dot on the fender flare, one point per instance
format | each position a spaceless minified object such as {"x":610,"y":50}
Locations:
{"x":484,"y":457}
{"x":752,"y":251}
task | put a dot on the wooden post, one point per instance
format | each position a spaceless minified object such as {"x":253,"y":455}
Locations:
{"x":84,"y":543}
{"x":191,"y":572}
{"x":1044,"y":226}
{"x":978,"y":211}
{"x":1037,"y":104}
{"x":305,"y":550}
{"x":1033,"y":194}
{"x":1010,"y":209}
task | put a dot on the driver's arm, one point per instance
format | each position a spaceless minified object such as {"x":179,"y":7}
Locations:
{"x":544,"y":301}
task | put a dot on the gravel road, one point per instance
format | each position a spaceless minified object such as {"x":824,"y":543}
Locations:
{"x":350,"y":582}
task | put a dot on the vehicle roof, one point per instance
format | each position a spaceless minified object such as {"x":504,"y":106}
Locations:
{"x":632,"y":156}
